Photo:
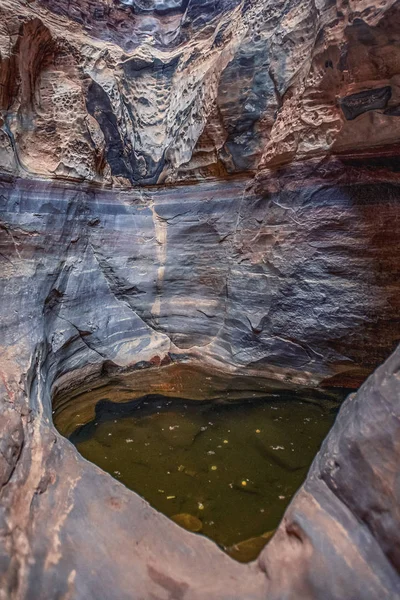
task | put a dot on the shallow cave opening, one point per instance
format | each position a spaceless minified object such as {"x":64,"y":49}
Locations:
{"x":224,"y":467}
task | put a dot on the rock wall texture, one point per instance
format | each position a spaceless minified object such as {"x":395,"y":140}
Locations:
{"x":147,"y":91}
{"x":201,"y":199}
{"x":68,"y":530}
{"x":277,"y":287}
{"x":226,"y":289}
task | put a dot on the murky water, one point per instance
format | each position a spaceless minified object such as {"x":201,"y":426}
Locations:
{"x":227,"y":470}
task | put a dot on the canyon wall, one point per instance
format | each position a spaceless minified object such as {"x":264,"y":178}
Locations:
{"x":151,"y":92}
{"x":69,"y":530}
{"x":226,"y":289}
{"x":199,"y":198}
{"x":277,"y":287}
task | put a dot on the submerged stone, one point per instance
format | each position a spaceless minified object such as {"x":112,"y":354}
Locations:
{"x":248,"y":550}
{"x":188,"y":522}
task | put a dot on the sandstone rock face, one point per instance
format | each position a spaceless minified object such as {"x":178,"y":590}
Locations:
{"x":275,"y":287}
{"x":146,"y":92}
{"x":360,"y":453}
{"x":224,"y":289}
{"x":69,"y":530}
{"x":199,"y":199}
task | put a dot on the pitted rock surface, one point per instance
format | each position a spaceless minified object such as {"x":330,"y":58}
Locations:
{"x":146,"y":92}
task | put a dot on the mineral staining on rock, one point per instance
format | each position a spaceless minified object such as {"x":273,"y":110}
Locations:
{"x":357,"y":104}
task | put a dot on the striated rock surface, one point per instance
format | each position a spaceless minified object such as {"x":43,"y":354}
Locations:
{"x":275,"y":286}
{"x":351,"y":493}
{"x":69,"y":530}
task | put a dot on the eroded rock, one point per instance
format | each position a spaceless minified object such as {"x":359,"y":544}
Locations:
{"x":357,"y":104}
{"x":192,"y":294}
{"x":229,"y":287}
{"x":126,"y":93}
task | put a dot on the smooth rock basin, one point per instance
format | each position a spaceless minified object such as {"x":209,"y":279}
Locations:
{"x":227,"y":470}
{"x":73,"y":531}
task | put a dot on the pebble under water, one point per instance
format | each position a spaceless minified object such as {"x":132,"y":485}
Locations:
{"x":225,"y":470}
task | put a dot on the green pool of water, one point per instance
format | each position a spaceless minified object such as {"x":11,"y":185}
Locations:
{"x":234,"y":467}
